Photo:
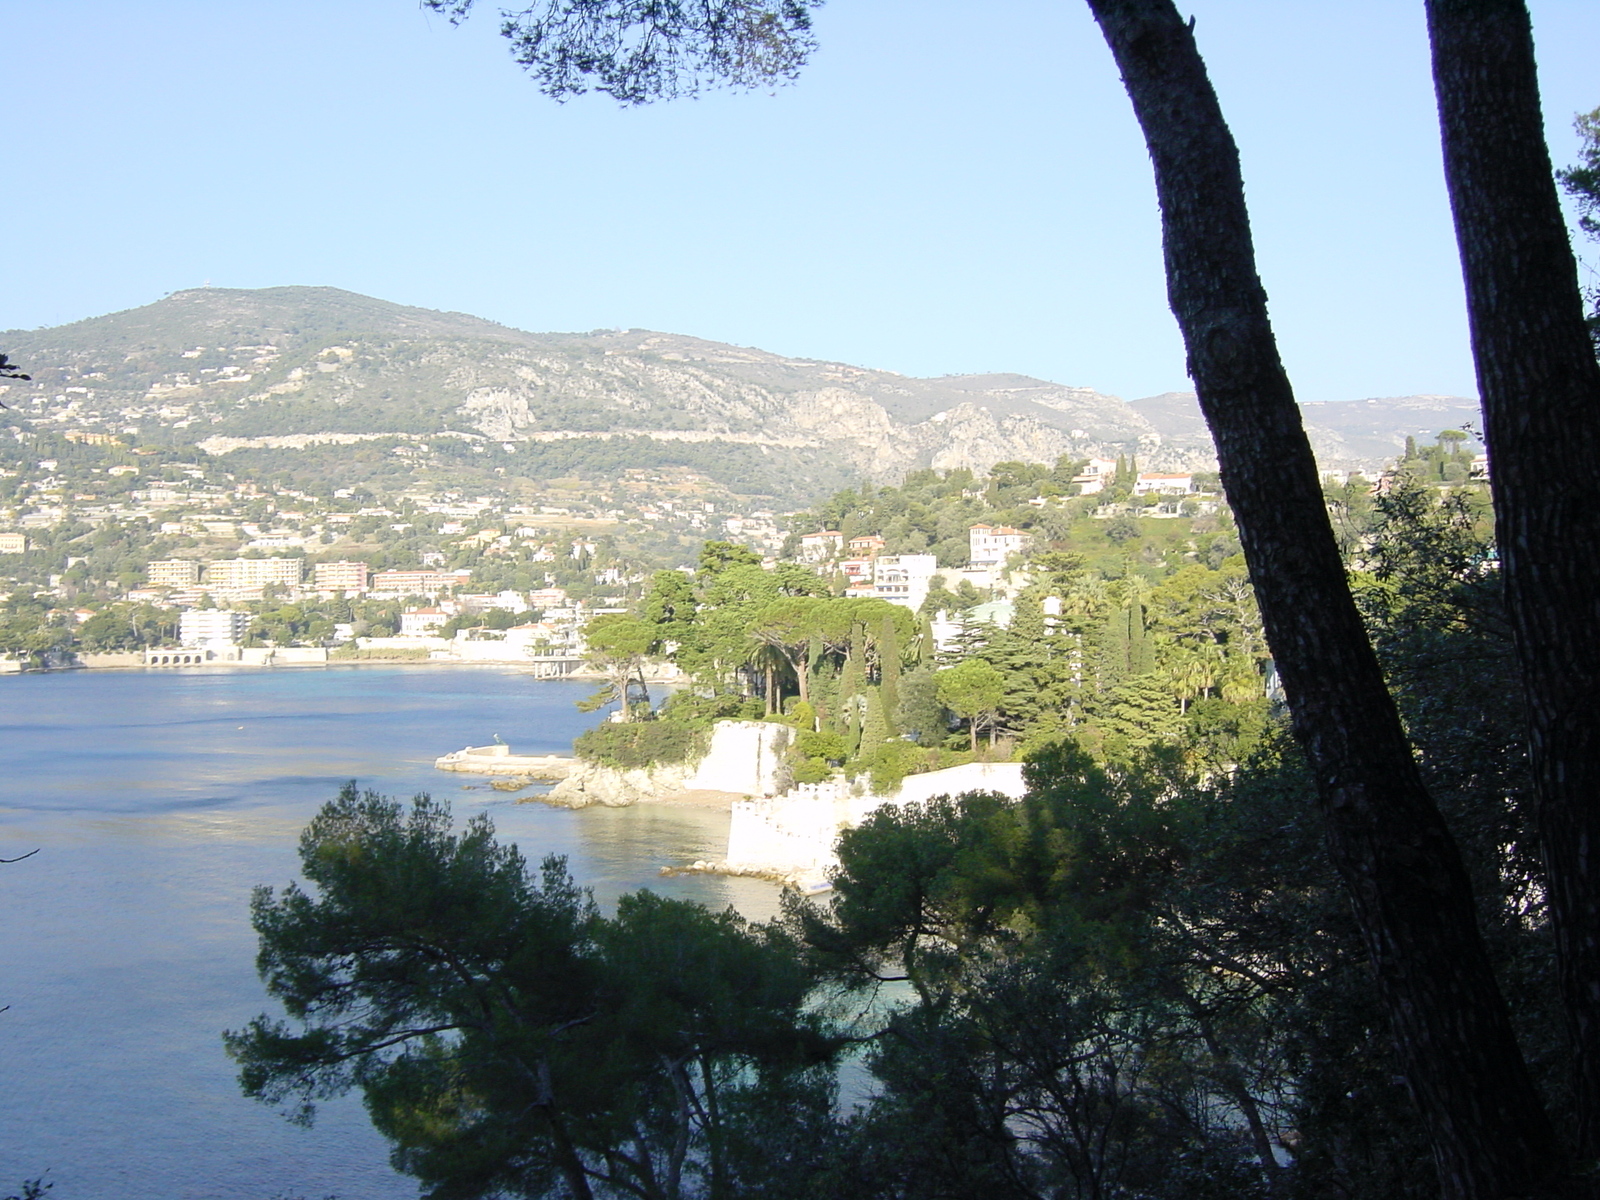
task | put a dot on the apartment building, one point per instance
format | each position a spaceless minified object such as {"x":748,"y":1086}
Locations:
{"x":417,"y":583}
{"x":254,"y":572}
{"x":348,"y":577}
{"x":173,"y":573}
{"x":201,"y":627}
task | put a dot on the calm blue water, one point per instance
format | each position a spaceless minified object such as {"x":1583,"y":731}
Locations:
{"x":157,"y":800}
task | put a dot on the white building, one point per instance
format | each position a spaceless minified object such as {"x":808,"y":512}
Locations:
{"x":481,"y":602}
{"x":422,"y":622}
{"x":797,"y":831}
{"x":1164,"y":483}
{"x":254,"y":572}
{"x":991,"y":545}
{"x":903,"y":578}
{"x":825,"y":543}
{"x":212,"y":627}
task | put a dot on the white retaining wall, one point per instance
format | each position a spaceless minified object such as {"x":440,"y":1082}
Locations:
{"x":797,"y":831}
{"x":744,"y":757}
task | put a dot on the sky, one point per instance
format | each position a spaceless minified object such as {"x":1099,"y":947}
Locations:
{"x":949,"y":188}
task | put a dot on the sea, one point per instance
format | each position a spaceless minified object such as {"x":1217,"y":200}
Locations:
{"x":155,"y":801}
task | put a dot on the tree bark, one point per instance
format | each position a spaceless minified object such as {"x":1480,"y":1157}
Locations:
{"x":1412,"y":897}
{"x":1540,"y":385}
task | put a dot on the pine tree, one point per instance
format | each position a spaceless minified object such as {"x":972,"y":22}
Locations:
{"x":1027,"y":618}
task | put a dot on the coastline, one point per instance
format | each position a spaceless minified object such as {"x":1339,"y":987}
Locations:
{"x":582,"y":673}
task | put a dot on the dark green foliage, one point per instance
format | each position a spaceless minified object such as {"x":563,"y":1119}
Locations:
{"x":920,"y":713}
{"x":1127,"y":984}
{"x":719,"y":556}
{"x":510,"y":1041}
{"x":824,"y":744}
{"x":1447,"y":461}
{"x":639,"y":744}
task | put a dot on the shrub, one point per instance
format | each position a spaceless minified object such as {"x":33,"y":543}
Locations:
{"x":810,"y":770}
{"x":891,"y":762}
{"x":690,"y":708}
{"x":350,"y":652}
{"x":641,"y":744}
{"x":825,"y":745}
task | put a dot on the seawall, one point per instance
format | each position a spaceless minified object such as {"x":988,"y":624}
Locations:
{"x":498,"y":760}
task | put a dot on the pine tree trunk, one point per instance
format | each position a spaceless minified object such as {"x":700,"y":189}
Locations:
{"x":1411,"y":894}
{"x":1541,"y":404}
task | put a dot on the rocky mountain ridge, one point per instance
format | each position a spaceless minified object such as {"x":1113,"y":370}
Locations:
{"x":295,"y":369}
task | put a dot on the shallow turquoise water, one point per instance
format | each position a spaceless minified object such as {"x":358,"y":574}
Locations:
{"x":157,"y":800}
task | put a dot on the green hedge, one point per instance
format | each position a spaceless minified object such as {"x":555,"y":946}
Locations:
{"x":641,"y":744}
{"x":351,"y":653}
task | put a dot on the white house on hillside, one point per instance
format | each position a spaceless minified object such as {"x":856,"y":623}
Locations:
{"x":825,"y":543}
{"x":1163,"y":483}
{"x":991,"y":545}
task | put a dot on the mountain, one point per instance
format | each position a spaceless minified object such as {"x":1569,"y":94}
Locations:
{"x":293,"y":377}
{"x":1347,"y":435}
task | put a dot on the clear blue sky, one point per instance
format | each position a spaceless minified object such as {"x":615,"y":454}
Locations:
{"x":949,"y":188}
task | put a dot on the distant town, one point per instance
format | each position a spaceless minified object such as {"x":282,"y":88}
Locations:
{"x":172,"y":563}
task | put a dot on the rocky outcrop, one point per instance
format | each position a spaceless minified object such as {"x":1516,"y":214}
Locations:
{"x":613,"y":787}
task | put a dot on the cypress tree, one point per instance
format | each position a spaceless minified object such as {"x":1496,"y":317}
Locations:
{"x":851,"y":681}
{"x":1141,"y":649}
{"x":889,"y":672}
{"x":874,"y":723}
{"x":1112,"y":657}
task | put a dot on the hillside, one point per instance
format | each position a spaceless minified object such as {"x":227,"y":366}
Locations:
{"x":289,"y":379}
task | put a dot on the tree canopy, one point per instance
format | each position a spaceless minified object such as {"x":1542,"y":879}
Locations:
{"x":507,"y":1038}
